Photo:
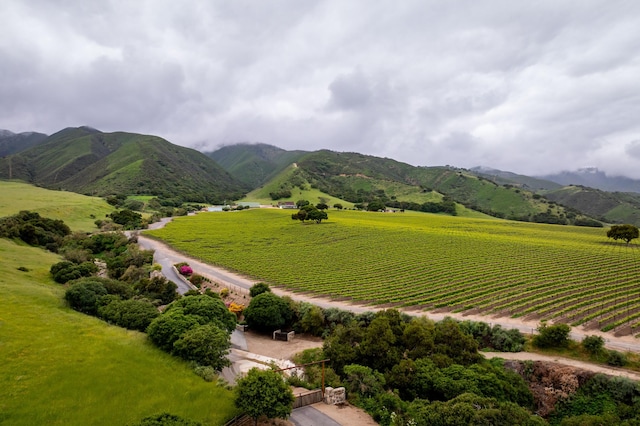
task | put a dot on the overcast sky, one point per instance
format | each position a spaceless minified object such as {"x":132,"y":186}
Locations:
{"x":527,"y":86}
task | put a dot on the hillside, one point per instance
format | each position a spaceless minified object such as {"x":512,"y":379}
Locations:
{"x":359,"y":178}
{"x":88,"y":161}
{"x":12,"y":143}
{"x":502,"y":177}
{"x":78,"y":211}
{"x":612,"y":207}
{"x":254,"y":164}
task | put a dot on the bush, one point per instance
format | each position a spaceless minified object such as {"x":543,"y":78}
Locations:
{"x":616,"y":359}
{"x":166,"y":419}
{"x":206,"y":310}
{"x":132,"y":314}
{"x":197,"y":280}
{"x":593,"y":344}
{"x":259,"y":288}
{"x":552,"y":336}
{"x":267,"y":312}
{"x":84,"y":296}
{"x":166,"y":329}
{"x":205,"y":344}
{"x":65,"y":271}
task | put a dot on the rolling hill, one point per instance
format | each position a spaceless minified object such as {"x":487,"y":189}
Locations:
{"x":254,"y":164}
{"x":91,"y":162}
{"x":358,"y":178}
{"x":12,"y":143}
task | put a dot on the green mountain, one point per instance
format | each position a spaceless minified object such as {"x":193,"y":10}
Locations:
{"x":12,"y":143}
{"x":358,"y":178}
{"x":254,"y":164}
{"x":88,"y":161}
{"x":612,"y":207}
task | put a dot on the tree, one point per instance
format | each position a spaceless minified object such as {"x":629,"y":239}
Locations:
{"x":317,"y":215}
{"x":623,"y":232}
{"x":207,"y":310}
{"x":302,"y":203}
{"x":375,"y":206}
{"x":337,"y":206}
{"x":267,"y":312}
{"x":264,"y":393}
{"x":259,"y":288}
{"x":322,"y":206}
{"x":165,"y":330}
{"x":205,"y":344}
{"x":593,"y":344}
{"x":127,"y":218}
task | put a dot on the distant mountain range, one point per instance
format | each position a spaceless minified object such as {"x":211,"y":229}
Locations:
{"x":88,"y":161}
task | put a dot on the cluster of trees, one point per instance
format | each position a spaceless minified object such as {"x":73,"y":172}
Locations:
{"x":410,"y":370}
{"x":34,"y":230}
{"x":196,"y":328}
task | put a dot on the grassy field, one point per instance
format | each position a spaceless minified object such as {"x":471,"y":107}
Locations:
{"x":78,"y":211}
{"x":570,"y":274}
{"x":60,"y":367}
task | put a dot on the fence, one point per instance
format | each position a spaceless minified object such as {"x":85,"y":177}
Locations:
{"x":307,"y":398}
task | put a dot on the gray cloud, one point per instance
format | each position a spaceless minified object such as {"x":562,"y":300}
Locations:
{"x":529,"y":87}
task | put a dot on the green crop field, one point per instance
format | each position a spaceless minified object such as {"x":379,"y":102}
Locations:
{"x":570,"y":274}
{"x":78,"y":211}
{"x":60,"y":367}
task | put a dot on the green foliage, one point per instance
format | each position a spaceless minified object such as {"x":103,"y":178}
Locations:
{"x":84,"y":296}
{"x":495,"y":337}
{"x":267,"y":312}
{"x":205,"y":344}
{"x":65,"y":271}
{"x":471,"y":410}
{"x":34,"y":230}
{"x":127,"y":218}
{"x":157,"y":288}
{"x":552,"y":336}
{"x":601,"y":396}
{"x":363,"y":381}
{"x":264,"y":393}
{"x":166,"y":329}
{"x":616,"y":359}
{"x":625,"y":233}
{"x":258,"y":288}
{"x":593,"y":344}
{"x":134,"y":314}
{"x":166,"y":419}
{"x":206,"y":310}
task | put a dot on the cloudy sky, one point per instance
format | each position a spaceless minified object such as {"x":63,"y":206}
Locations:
{"x":530,"y":87}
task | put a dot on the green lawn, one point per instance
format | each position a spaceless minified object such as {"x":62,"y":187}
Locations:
{"x":573,"y":274}
{"x":60,"y":367}
{"x":79,"y":212}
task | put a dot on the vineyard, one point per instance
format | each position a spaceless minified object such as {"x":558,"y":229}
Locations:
{"x":492,"y":267}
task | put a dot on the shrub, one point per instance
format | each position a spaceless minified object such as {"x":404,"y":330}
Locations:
{"x":224,"y":293}
{"x":205,"y":344}
{"x":552,"y":336}
{"x":166,"y":329}
{"x":132,"y":314}
{"x":197,"y":280}
{"x":616,"y":359}
{"x":267,"y":312}
{"x":259,"y":288}
{"x":206,"y":310}
{"x":166,"y":419}
{"x":84,"y":296}
{"x":185,"y":270}
{"x":593,"y":344}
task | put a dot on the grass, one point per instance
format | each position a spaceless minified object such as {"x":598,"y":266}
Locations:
{"x":79,"y":212}
{"x":427,"y":261}
{"x":60,"y":367}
